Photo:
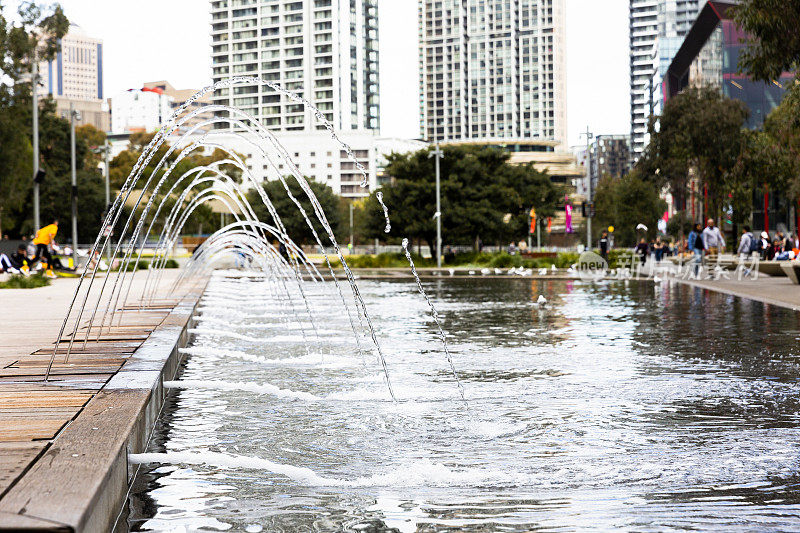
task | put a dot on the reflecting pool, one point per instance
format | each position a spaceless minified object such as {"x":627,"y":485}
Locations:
{"x":615,"y":405}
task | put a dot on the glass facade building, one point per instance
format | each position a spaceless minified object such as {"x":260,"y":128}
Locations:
{"x":709,"y":57}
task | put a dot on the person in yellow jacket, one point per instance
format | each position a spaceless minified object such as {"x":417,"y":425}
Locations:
{"x":45,"y":238}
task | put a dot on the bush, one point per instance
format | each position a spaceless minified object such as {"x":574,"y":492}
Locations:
{"x":504,"y":260}
{"x":22,"y":282}
{"x":139,"y":265}
{"x":171,"y":263}
{"x":471,"y":258}
{"x":566,"y":259}
{"x":395,"y":260}
{"x":615,"y":255}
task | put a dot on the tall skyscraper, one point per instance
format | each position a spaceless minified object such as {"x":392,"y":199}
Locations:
{"x":325,"y":50}
{"x":75,"y":77}
{"x":492,"y":69}
{"x":657,"y":29}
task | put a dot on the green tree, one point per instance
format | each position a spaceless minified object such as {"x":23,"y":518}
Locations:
{"x":290,"y":215}
{"x":627,"y":202}
{"x":120,"y":167}
{"x":483,"y":197}
{"x":699,"y":131}
{"x":773,"y":46}
{"x":33,"y":37}
{"x":783,"y":128}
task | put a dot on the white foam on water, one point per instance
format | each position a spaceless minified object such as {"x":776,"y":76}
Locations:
{"x":422,"y":473}
{"x":312,"y":359}
{"x":272,"y":338}
{"x":235,"y":313}
{"x":275,"y":325}
{"x":258,"y":388}
{"x":494,"y":430}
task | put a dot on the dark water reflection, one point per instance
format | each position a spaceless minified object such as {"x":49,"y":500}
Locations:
{"x":617,"y":406}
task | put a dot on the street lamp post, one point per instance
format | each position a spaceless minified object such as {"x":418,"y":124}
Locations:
{"x":589,"y":136}
{"x":35,"y":91}
{"x":106,"y":150}
{"x":437,"y":153}
{"x":352,"y":244}
{"x":72,"y":116}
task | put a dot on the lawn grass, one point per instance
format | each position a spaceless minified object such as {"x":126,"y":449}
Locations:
{"x":21,"y":282}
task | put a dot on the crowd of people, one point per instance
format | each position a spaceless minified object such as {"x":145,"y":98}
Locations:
{"x":34,"y":256}
{"x":708,"y":241}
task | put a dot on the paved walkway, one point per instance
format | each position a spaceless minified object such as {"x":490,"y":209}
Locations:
{"x":776,"y":291}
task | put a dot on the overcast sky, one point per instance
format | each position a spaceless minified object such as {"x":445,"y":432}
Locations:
{"x":148,"y":40}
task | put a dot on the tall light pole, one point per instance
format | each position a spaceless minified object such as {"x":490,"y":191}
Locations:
{"x":35,"y":91}
{"x":72,"y":116}
{"x":106,"y":150}
{"x":589,"y":136}
{"x":438,"y":154}
{"x":352,"y":244}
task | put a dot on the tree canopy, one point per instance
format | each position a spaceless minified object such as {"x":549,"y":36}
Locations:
{"x":773,"y":45}
{"x":627,"y":202}
{"x":483,"y":196}
{"x":33,"y":37}
{"x":291,"y":217}
{"x":698,"y":135}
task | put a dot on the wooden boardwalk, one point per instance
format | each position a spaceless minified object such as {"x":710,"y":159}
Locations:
{"x":35,"y":414}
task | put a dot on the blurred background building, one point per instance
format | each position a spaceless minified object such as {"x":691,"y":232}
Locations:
{"x":493,"y":69}
{"x":323,"y":50}
{"x":657,"y":29}
{"x":75,"y":77}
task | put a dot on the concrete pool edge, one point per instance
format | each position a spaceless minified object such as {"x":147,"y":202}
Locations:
{"x":81,"y":481}
{"x":778,"y":291}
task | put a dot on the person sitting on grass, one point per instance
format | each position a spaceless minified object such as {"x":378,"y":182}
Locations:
{"x":16,"y":263}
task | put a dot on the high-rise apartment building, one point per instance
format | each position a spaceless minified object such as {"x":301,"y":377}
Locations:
{"x":324,"y":50}
{"x":657,"y":29}
{"x":75,"y":77}
{"x":492,"y":69}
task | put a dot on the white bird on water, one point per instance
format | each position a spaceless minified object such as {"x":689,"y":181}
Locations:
{"x":485,"y":271}
{"x":542,"y":271}
{"x":541,"y":300}
{"x":498,"y":271}
{"x":553,"y":268}
{"x":452,"y":271}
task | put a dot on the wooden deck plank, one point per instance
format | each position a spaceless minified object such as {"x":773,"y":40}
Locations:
{"x":15,"y":458}
{"x":29,"y":430}
{"x":30,"y":524}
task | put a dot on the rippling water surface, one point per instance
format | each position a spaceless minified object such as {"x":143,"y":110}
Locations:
{"x":618,"y":405}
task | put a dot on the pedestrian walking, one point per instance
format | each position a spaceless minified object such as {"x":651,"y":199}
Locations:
{"x":695,"y":245}
{"x":658,"y":249}
{"x":712,"y":239}
{"x":45,"y":238}
{"x":747,"y":243}
{"x":604,"y":246}
{"x":643,"y":250}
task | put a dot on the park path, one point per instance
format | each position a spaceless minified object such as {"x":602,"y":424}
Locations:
{"x":778,"y":291}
